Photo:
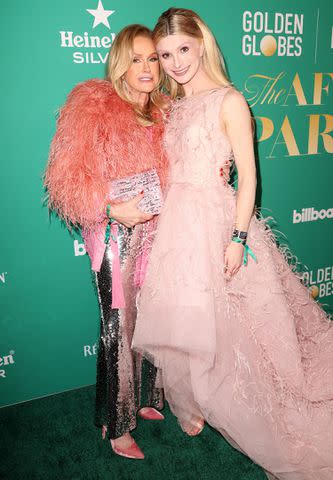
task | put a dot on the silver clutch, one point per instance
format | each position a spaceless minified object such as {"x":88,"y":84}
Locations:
{"x":125,"y":188}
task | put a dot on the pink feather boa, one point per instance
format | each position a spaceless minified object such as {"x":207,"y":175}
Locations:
{"x":98,"y":139}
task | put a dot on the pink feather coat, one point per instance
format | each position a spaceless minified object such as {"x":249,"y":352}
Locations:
{"x":97,"y":139}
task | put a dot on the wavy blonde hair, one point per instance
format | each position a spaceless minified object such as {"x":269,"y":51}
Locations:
{"x":182,"y":21}
{"x":120,"y":59}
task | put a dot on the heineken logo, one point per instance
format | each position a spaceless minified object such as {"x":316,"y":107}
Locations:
{"x":5,"y":361}
{"x":86,"y":47}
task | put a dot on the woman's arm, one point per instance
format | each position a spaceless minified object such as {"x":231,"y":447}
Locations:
{"x":74,"y":177}
{"x":236,"y":123}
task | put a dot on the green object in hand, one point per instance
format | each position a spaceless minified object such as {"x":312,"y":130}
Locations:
{"x":247,"y":250}
{"x":108,"y":233}
{"x":108,"y":210}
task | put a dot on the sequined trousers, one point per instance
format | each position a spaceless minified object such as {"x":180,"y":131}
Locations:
{"x":125,"y":381}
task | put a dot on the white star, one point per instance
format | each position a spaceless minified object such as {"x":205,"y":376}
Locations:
{"x":101,"y":15}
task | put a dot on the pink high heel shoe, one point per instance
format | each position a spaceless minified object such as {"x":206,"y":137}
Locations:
{"x":194,"y":427}
{"x":133,"y":451}
{"x":149,"y":413}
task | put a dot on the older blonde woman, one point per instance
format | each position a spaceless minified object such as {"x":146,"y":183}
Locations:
{"x":110,"y":129}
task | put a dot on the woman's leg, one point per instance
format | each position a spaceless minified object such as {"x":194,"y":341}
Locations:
{"x":150,"y":391}
{"x":115,"y":397}
{"x":125,"y":381}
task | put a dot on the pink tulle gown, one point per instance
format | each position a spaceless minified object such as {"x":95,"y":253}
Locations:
{"x":253,"y":356}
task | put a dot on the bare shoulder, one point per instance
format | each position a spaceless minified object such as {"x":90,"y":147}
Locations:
{"x":234,"y":100}
{"x":234,"y":109}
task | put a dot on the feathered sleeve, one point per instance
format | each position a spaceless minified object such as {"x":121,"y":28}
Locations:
{"x":76,"y":177}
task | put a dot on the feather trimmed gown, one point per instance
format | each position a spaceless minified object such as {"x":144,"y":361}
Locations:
{"x":253,"y":355}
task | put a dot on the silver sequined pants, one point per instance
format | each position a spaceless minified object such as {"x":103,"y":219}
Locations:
{"x":125,"y":381}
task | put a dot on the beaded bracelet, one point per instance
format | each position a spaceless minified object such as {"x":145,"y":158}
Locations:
{"x":239,"y":236}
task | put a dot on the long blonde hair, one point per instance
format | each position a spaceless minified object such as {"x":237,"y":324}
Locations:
{"x":186,"y":22}
{"x":120,"y":60}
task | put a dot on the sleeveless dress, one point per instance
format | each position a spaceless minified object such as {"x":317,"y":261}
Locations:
{"x":253,"y":355}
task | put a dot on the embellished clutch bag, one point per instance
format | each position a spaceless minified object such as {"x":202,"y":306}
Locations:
{"x":122,"y":189}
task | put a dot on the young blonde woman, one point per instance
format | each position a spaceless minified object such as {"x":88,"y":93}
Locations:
{"x":112,"y":129}
{"x":240,"y":342}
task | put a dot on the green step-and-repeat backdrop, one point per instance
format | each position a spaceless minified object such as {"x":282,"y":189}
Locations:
{"x":279,"y":54}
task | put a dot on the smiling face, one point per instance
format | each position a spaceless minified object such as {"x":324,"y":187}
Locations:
{"x":180,"y":56}
{"x":143,"y":74}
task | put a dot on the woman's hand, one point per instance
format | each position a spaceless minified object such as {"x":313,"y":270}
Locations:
{"x":128,"y":214}
{"x":233,"y":259}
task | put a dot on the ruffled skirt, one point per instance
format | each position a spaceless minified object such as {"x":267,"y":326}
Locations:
{"x":253,"y":355}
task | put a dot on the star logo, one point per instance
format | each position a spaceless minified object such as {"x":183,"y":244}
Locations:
{"x":101,"y":15}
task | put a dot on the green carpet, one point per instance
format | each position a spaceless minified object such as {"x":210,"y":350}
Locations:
{"x":54,"y":438}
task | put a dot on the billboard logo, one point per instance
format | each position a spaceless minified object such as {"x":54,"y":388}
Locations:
{"x":272,"y":33}
{"x":88,"y":48}
{"x":79,"y":249}
{"x":311,"y":215}
{"x":5,"y":361}
{"x":3,"y":277}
